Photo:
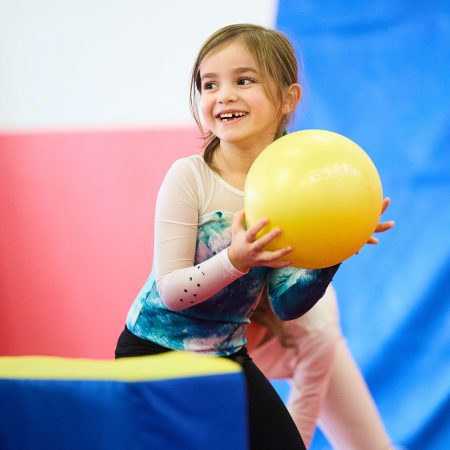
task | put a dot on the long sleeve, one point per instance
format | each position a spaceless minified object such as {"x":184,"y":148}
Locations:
{"x":292,"y":292}
{"x":180,"y":282}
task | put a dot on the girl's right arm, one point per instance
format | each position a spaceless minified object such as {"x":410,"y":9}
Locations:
{"x":182,"y":284}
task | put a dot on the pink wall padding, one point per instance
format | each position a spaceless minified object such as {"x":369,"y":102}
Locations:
{"x":76,"y":234}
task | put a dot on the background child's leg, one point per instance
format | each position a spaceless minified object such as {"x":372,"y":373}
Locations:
{"x":310,"y":380}
{"x":326,"y":383}
{"x":320,"y":333}
{"x":308,"y":364}
{"x":349,"y":417}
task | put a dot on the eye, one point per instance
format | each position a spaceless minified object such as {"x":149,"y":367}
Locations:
{"x":245,"y":80}
{"x":209,"y":85}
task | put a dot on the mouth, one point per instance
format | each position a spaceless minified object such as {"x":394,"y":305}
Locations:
{"x":229,"y":116}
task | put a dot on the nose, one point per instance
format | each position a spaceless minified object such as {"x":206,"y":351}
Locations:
{"x":226,"y":95}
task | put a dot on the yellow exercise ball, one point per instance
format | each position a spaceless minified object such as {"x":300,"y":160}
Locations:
{"x":321,"y":189}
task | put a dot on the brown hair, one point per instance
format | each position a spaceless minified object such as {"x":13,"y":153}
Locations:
{"x":264,"y":315}
{"x":276,"y":61}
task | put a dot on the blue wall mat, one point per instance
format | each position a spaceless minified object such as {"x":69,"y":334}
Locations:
{"x":379,"y":73}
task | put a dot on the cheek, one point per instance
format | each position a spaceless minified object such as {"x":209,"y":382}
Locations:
{"x":262,"y":103}
{"x":206,"y":107}
{"x":275,"y":113}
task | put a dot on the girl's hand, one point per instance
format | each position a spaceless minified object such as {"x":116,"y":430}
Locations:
{"x":246,"y":251}
{"x":382,"y":226}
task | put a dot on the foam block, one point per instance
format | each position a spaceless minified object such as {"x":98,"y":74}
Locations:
{"x":170,"y":401}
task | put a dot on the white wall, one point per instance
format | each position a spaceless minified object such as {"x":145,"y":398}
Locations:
{"x":106,"y":63}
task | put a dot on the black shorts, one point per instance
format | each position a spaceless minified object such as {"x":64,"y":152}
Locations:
{"x":271,"y":425}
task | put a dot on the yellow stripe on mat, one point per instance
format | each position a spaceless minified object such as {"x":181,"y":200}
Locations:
{"x":155,"y":367}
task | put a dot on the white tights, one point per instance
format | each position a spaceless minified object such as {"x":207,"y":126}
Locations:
{"x":327,"y":386}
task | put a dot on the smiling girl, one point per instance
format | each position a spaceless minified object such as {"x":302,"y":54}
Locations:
{"x":209,"y":271}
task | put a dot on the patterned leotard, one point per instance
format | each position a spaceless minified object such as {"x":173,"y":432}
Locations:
{"x":195,"y":204}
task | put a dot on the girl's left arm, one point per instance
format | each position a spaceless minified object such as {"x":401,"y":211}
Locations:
{"x":292,"y":292}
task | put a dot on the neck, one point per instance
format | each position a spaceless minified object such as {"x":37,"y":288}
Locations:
{"x":233,"y":163}
{"x":238,"y":158}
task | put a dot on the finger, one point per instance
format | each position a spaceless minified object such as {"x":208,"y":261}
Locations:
{"x":386,"y":203}
{"x":238,"y":220}
{"x":255,"y":229}
{"x":278,"y":264}
{"x":276,"y":254}
{"x":268,"y":237}
{"x":373,"y":240}
{"x":384,"y":226}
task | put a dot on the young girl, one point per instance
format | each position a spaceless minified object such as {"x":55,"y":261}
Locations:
{"x":209,"y":270}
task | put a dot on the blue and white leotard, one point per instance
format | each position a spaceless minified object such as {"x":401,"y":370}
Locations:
{"x":195,"y":299}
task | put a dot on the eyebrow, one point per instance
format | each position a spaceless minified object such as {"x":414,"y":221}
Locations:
{"x":236,"y":71}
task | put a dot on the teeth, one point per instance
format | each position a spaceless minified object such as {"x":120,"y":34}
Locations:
{"x":226,"y":116}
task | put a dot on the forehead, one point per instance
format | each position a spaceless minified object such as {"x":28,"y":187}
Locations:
{"x":228,"y":57}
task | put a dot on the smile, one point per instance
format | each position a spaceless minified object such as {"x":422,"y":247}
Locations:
{"x":224,"y":117}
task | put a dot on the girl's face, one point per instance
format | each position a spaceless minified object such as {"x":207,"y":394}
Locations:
{"x":233,"y":102}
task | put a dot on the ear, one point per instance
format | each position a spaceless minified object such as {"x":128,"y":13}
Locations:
{"x":292,"y":96}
